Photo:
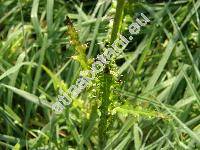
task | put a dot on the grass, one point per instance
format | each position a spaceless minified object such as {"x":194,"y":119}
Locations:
{"x":148,"y":98}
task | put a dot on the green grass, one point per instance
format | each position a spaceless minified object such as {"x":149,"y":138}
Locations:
{"x":149,"y":99}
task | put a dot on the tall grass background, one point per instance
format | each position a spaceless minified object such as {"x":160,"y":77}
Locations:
{"x":148,"y":98}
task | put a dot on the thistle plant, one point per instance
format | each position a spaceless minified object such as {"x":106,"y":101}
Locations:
{"x":146,"y":98}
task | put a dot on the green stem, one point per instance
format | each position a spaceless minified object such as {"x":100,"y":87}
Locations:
{"x":118,"y":20}
{"x":106,"y":81}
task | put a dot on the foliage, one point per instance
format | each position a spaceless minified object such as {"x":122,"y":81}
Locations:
{"x":148,"y":98}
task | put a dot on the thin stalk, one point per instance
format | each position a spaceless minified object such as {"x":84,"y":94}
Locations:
{"x":117,"y":20}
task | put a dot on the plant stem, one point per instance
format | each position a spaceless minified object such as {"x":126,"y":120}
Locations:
{"x":106,"y":81}
{"x":118,"y":20}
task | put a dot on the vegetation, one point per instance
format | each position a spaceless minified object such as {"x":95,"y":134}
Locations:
{"x":148,"y":98}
